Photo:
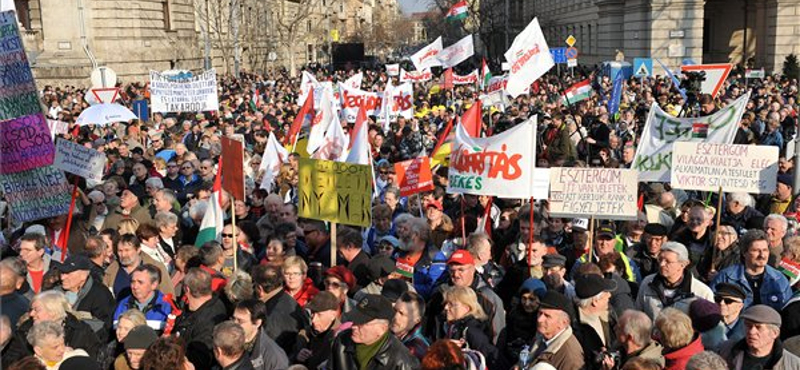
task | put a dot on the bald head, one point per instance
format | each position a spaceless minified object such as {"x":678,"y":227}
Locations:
{"x":7,"y":280}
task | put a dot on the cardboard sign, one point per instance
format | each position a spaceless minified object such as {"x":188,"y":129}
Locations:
{"x":414,"y":176}
{"x":233,"y":167}
{"x":736,"y":168}
{"x":18,"y":94}
{"x":79,"y":160}
{"x":335,"y":191}
{"x":36,"y":194}
{"x":26,"y":144}
{"x":195,"y":94}
{"x":605,"y":193}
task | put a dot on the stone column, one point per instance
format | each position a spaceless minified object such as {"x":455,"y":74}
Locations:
{"x":682,"y":18}
{"x":783,"y":30}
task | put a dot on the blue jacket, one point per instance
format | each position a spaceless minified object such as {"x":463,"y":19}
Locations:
{"x":775,"y":289}
{"x":156,"y":312}
{"x":428,"y":270}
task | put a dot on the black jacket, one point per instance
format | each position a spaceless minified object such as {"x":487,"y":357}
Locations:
{"x":77,"y":334}
{"x":393,"y":355}
{"x":243,"y":363}
{"x":476,"y":334}
{"x":284,"y":318}
{"x":358,"y":266}
{"x":196,"y":329}
{"x":96,"y":299}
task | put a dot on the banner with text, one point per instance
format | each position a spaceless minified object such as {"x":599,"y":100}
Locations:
{"x":529,"y":57}
{"x":18,"y":93}
{"x":336,"y":192}
{"x":735,"y":168}
{"x":602,"y":193}
{"x":195,"y":94}
{"x":79,"y":160}
{"x":500,"y":165}
{"x":414,"y":176}
{"x":36,"y":194}
{"x":352,"y":99}
{"x":654,"y":156}
{"x":402,"y":102}
{"x":454,"y":54}
{"x":26,"y":144}
{"x":467,"y":79}
{"x":427,"y":57}
{"x":415,"y":76}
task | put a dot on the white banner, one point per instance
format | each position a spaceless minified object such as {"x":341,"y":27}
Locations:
{"x":456,"y":53}
{"x":500,"y":165}
{"x":79,"y":160}
{"x":355,"y":80}
{"x":195,"y":94}
{"x":529,"y":58}
{"x":464,"y":80}
{"x":654,"y":155}
{"x":427,"y":57}
{"x":57,"y":128}
{"x":735,"y":168}
{"x":392,"y":69}
{"x":402,"y":102}
{"x":415,"y":76}
{"x":602,"y":193}
{"x":352,"y":99}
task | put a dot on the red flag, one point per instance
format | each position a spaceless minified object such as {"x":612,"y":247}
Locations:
{"x":448,"y":79}
{"x":361,"y":120}
{"x":640,"y":202}
{"x":471,"y":120}
{"x":302,"y":116}
{"x":443,"y":136}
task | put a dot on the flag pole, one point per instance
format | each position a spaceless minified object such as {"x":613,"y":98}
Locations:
{"x":591,"y":237}
{"x":68,"y":226}
{"x":719,"y":214}
{"x":333,"y":244}
{"x":233,"y":230}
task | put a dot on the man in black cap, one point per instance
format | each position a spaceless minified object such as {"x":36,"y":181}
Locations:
{"x":605,"y":242}
{"x":596,"y":322}
{"x":645,"y":253}
{"x":370,"y":344}
{"x":555,"y":272}
{"x":316,"y":340}
{"x":761,"y":348}
{"x":554,"y":343}
{"x":136,"y":343}
{"x":730,"y":298}
{"x":781,"y":200}
{"x":87,"y":295}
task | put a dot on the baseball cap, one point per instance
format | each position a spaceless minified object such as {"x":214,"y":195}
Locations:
{"x":435,"y":204}
{"x":75,"y":263}
{"x":607,"y":230}
{"x":587,"y":286}
{"x":461,"y":257}
{"x":553,"y":260}
{"x":323,"y":301}
{"x":372,"y":307}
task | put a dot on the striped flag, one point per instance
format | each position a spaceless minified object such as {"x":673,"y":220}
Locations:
{"x":458,"y":11}
{"x":486,"y":75}
{"x":577,"y":92}
{"x":213,"y":220}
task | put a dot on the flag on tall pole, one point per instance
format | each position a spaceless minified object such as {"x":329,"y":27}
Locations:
{"x":579,"y":91}
{"x":616,"y":95}
{"x":359,"y":142}
{"x":486,"y":74}
{"x":213,"y":220}
{"x":306,"y":114}
{"x":471,"y":120}
{"x":458,"y":11}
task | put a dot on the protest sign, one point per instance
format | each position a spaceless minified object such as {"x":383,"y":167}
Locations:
{"x":335,"y":191}
{"x":456,"y":53}
{"x":393,"y":69}
{"x":195,"y":94}
{"x":25,"y":143}
{"x":529,"y":58}
{"x":79,"y":160}
{"x":353,"y":98}
{"x":541,"y":183}
{"x":653,"y":157}
{"x":18,"y":94}
{"x":36,"y":194}
{"x":415,"y":76}
{"x":500,"y":165}
{"x":233,"y":167}
{"x":414,"y":176}
{"x":57,"y":128}
{"x":602,"y":193}
{"x":427,"y":56}
{"x":402,"y":102}
{"x":464,"y":80}
{"x":735,"y":168}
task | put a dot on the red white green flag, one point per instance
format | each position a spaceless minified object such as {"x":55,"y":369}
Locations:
{"x":458,"y":11}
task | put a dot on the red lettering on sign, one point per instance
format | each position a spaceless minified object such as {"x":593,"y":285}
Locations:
{"x":499,"y":163}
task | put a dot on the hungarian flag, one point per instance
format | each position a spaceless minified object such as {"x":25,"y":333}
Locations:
{"x":458,"y":11}
{"x":255,"y":100}
{"x":359,"y":142}
{"x":486,"y":75}
{"x":213,"y":220}
{"x":306,"y":114}
{"x":471,"y":120}
{"x":577,"y":92}
{"x":699,"y":130}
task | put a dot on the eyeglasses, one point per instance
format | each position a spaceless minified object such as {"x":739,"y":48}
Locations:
{"x":187,"y":168}
{"x":292,"y":274}
{"x":172,"y":165}
{"x":227,"y":235}
{"x":335,"y":284}
{"x":720,"y":300}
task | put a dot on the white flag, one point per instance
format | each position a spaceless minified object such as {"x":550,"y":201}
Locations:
{"x":415,"y":76}
{"x":355,"y":80}
{"x":392,"y":69}
{"x":426,"y":57}
{"x":360,"y":150}
{"x":334,"y":143}
{"x":529,"y":58}
{"x":307,"y":83}
{"x":325,"y":113}
{"x":274,"y":156}
{"x":456,"y":53}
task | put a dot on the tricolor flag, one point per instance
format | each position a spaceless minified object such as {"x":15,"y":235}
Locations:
{"x":486,"y":75}
{"x":458,"y":11}
{"x":443,"y":147}
{"x":577,"y":92}
{"x":359,"y":149}
{"x":700,"y":130}
{"x":213,"y":220}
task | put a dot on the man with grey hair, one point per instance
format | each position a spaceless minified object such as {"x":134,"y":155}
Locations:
{"x":673,"y":285}
{"x":555,"y":343}
{"x":229,"y":346}
{"x":762,"y":283}
{"x":761,"y":348}
{"x":47,"y":340}
{"x":634,"y":330}
{"x":739,"y":212}
{"x":706,"y":360}
{"x":775,"y":226}
{"x":595,"y":321}
{"x":427,"y":262}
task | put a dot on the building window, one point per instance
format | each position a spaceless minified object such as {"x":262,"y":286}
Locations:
{"x":167,"y":15}
{"x":23,"y":13}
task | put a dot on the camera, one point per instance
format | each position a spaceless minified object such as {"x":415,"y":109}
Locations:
{"x":601,"y":355}
{"x":692,"y":81}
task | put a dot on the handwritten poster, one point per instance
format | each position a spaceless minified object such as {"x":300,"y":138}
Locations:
{"x":194,"y":94}
{"x":736,"y":168}
{"x":605,"y":193}
{"x":26,"y":144}
{"x":414,"y":176}
{"x":336,"y":192}
{"x":36,"y":194}
{"x":18,"y":93}
{"x":79,"y":160}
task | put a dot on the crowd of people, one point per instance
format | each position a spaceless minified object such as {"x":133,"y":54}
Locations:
{"x":438,"y":281}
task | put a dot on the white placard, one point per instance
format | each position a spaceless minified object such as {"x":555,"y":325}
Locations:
{"x":602,"y":193}
{"x":194,"y":94}
{"x":79,"y":160}
{"x":735,"y":168}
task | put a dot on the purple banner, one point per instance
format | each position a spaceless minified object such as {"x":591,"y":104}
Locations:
{"x":25,"y":143}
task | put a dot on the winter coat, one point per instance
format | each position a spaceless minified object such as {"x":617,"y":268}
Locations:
{"x":196,"y":328}
{"x":283,"y":331}
{"x":164,"y":286}
{"x":306,"y":293}
{"x":491,"y":304}
{"x":156,"y":311}
{"x":652,"y":351}
{"x":790,"y":318}
{"x":717,"y":260}
{"x":651,"y":299}
{"x":563,"y":353}
{"x":115,"y":216}
{"x":428,"y":270}
{"x":266,"y":354}
{"x":775,"y":290}
{"x":559,"y":144}
{"x":779,"y":358}
{"x":476,"y":335}
{"x":677,"y":359}
{"x":97,"y":302}
{"x":392,"y":355}
{"x":77,"y":335}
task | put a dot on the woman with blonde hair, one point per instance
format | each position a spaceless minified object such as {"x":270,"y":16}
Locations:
{"x":467,"y":323}
{"x":114,"y":351}
{"x":298,"y":284}
{"x":674,"y":331}
{"x":128,"y":226}
{"x":52,"y":305}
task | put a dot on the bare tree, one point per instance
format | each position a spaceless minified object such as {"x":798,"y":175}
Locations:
{"x":289,"y":17}
{"x":484,"y":20}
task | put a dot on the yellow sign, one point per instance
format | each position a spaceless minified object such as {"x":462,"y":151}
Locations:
{"x":335,"y":35}
{"x":571,"y":40}
{"x":336,"y":192}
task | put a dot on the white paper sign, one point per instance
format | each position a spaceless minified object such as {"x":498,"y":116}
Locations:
{"x":392,"y":69}
{"x":605,"y":193}
{"x":57,"y":128}
{"x":456,"y":53}
{"x":735,"y":168}
{"x":195,"y":94}
{"x":529,"y":58}
{"x":79,"y":160}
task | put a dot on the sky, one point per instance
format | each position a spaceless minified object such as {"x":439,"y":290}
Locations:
{"x":411,"y":6}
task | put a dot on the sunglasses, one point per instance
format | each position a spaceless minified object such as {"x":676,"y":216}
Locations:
{"x":187,"y":168}
{"x":227,"y":235}
{"x":726,"y":300}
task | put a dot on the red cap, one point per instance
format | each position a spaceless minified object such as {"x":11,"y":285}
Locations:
{"x":435,"y":204}
{"x":461,"y":257}
{"x":343,"y":274}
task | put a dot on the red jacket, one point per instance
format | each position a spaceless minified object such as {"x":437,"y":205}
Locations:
{"x":218,"y":281}
{"x":306,"y":293}
{"x":677,"y":359}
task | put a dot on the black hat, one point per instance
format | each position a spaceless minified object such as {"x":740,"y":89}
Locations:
{"x":393,"y":289}
{"x":587,"y":286}
{"x":372,"y":307}
{"x":553,"y":260}
{"x":140,"y":337}
{"x":323,"y":301}
{"x":730,"y":290}
{"x":380,"y":266}
{"x":75,"y":263}
{"x":655,"y":229}
{"x":786,"y":179}
{"x":607,"y":229}
{"x":556,"y":301}
{"x":80,"y":362}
